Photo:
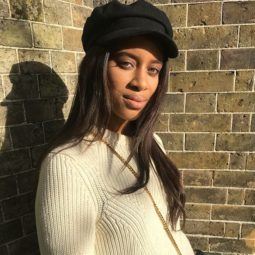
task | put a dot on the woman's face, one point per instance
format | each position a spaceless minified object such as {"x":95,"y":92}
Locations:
{"x":133,"y":73}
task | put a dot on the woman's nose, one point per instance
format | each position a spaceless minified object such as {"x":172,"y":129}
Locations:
{"x":140,"y":79}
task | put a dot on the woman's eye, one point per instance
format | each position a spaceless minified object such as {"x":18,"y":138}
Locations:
{"x":125,"y":64}
{"x":156,"y":71}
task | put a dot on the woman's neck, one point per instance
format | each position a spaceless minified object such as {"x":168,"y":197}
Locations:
{"x":117,"y":124}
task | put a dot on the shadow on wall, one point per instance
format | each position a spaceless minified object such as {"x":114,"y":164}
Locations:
{"x":34,"y":101}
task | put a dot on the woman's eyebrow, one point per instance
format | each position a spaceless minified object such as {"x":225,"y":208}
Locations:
{"x":123,"y":53}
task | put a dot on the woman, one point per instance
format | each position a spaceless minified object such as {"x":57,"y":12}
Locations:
{"x":87,"y":201}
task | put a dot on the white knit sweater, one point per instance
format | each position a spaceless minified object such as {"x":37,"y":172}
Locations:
{"x":78,"y":212}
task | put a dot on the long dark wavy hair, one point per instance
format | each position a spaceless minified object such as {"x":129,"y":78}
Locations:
{"x":91,"y":107}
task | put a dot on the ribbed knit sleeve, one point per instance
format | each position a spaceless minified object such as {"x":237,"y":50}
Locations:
{"x":65,"y":209}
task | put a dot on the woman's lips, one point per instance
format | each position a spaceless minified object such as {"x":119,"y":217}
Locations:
{"x":134,"y":104}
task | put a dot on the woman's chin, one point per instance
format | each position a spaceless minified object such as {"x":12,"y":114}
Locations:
{"x":130,"y":115}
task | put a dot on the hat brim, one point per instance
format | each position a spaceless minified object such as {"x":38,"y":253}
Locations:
{"x":169,"y":45}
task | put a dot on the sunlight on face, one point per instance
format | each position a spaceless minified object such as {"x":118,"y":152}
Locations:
{"x":133,"y":73}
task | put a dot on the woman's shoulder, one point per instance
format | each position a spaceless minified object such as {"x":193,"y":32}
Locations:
{"x":63,"y":169}
{"x":78,"y":155}
{"x":70,"y":159}
{"x":74,"y":149}
{"x":159,"y":141}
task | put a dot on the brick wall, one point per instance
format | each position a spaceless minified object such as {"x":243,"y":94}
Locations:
{"x":207,"y":121}
{"x":40,"y":50}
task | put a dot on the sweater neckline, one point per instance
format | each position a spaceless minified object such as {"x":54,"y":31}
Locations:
{"x":116,"y":135}
{"x":114,"y":138}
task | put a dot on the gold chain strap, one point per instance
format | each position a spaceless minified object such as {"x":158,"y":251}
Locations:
{"x":149,"y":193}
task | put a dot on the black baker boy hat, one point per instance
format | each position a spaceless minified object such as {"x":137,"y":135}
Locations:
{"x":115,"y":20}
